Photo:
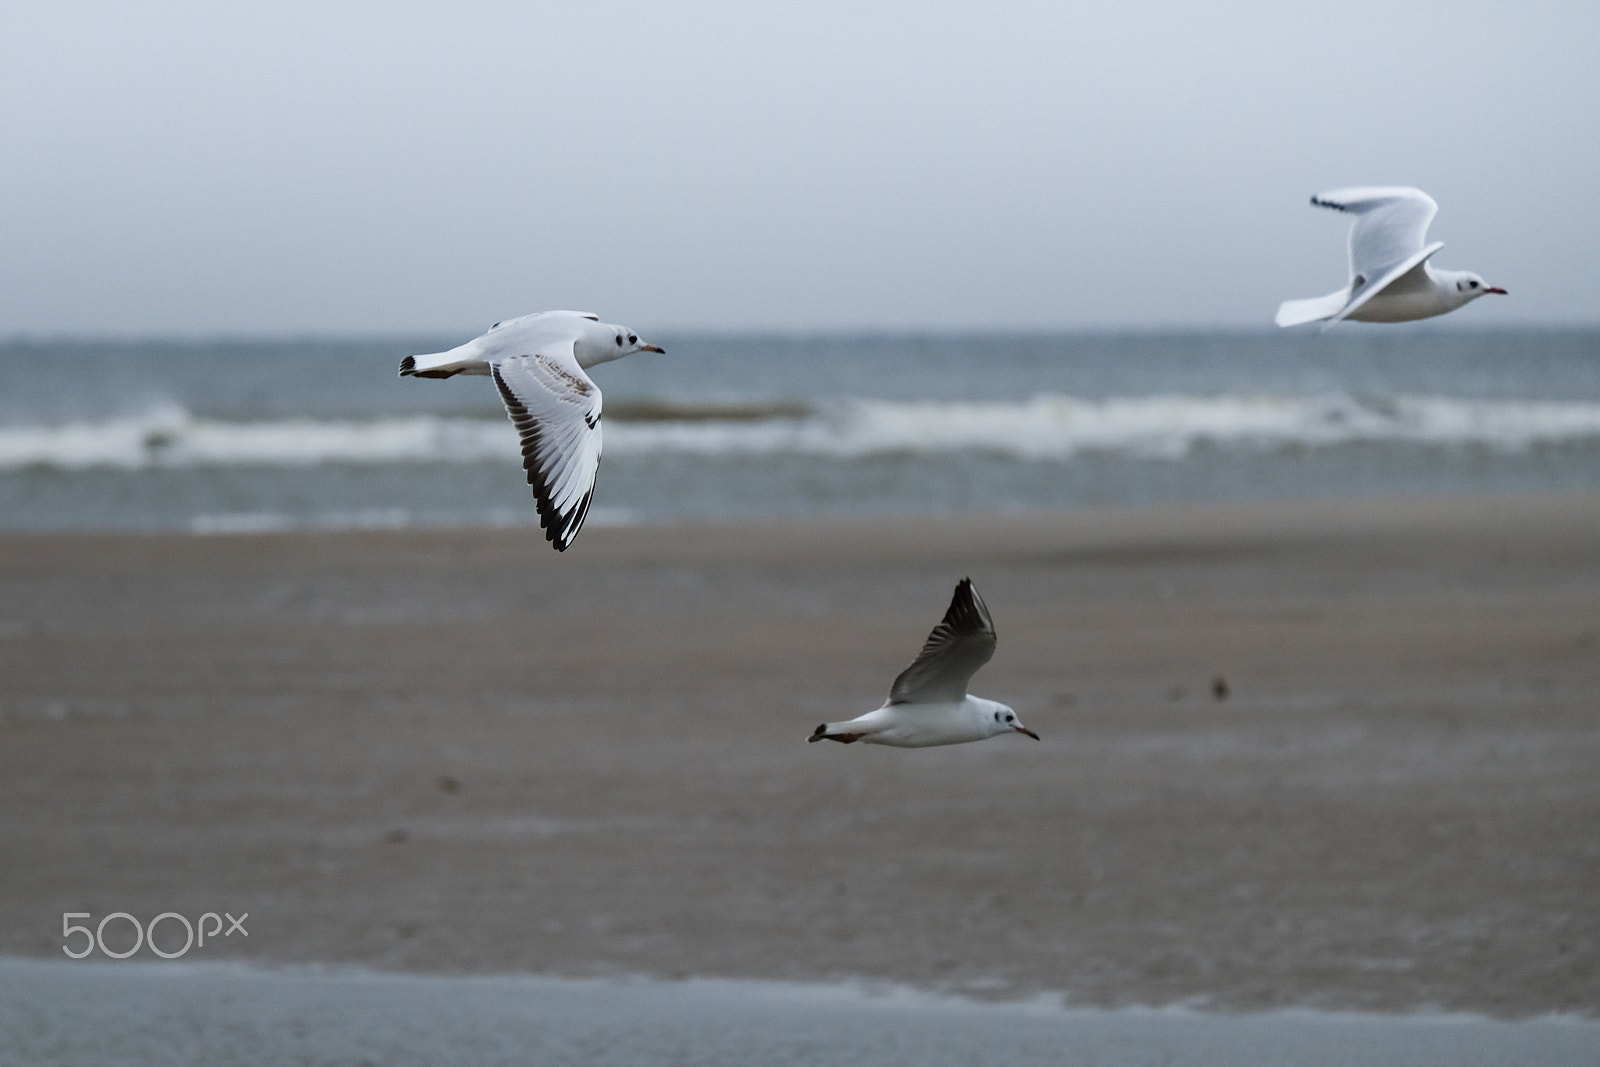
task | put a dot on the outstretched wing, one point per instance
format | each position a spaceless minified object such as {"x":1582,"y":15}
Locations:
{"x":556,"y":410}
{"x":961,"y":643}
{"x":1390,"y":225}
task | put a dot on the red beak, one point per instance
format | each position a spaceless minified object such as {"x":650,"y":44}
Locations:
{"x":1496,"y":289}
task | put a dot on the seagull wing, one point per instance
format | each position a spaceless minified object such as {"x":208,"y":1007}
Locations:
{"x":961,"y":643}
{"x":556,"y":410}
{"x":1390,"y":224}
{"x":529,"y":333}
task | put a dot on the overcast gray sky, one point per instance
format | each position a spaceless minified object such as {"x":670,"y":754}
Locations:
{"x":328,"y":167}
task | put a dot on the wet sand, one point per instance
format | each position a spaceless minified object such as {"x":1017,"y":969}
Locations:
{"x":460,"y":752}
{"x":113,"y":1014}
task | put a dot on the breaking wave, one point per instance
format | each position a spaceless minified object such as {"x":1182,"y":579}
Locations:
{"x":1041,"y":428}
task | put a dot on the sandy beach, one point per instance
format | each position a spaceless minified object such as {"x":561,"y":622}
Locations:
{"x":1328,"y":755}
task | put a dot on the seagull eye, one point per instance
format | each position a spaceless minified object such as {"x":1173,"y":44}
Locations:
{"x":1009,"y":718}
{"x":1473,"y":284}
{"x":632,"y":340}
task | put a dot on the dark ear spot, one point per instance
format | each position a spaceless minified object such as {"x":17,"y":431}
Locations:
{"x":619,"y":340}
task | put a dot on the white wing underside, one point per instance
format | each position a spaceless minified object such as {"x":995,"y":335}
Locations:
{"x":961,"y":643}
{"x":1390,"y":224}
{"x":556,"y":410}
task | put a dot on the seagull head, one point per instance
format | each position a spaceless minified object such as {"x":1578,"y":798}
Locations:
{"x":628,"y":342}
{"x":1004,"y":720}
{"x":1470,"y":286}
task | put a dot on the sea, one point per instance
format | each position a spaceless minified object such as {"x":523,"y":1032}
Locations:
{"x":239,"y":434}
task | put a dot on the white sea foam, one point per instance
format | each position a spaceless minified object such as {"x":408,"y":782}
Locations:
{"x":169,"y":436}
{"x":258,"y":522}
{"x":1041,"y":428}
{"x":1152,"y":427}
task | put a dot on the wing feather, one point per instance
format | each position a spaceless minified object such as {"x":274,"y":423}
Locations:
{"x":556,"y":409}
{"x":961,"y":643}
{"x":1391,"y":223}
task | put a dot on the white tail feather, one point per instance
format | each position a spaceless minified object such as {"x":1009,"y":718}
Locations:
{"x":1296,"y":312}
{"x":463,"y":359}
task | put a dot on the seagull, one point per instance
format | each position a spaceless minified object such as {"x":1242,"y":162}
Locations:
{"x":928,"y":704}
{"x":1390,"y":279}
{"x":538,"y":363}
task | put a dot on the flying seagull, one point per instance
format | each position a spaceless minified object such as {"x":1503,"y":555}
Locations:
{"x":1390,"y":279}
{"x":928,"y":704}
{"x":538,"y":363}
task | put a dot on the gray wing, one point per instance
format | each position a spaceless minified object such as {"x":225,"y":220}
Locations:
{"x":556,"y":410}
{"x":532,"y":333}
{"x":961,"y":643}
{"x":1390,"y":225}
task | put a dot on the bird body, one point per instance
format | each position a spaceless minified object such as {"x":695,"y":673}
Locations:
{"x":925,"y":725}
{"x":928,"y":704}
{"x":1391,"y":279}
{"x":591,"y":340}
{"x":538,"y":363}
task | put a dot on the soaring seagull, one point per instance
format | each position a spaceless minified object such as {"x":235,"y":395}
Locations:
{"x":928,"y":704}
{"x":1390,"y":278}
{"x":538,"y":363}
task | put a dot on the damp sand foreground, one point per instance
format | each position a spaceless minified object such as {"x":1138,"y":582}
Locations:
{"x":1331,"y":756}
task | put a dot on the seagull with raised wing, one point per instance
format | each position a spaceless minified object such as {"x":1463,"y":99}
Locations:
{"x":538,"y":363}
{"x":1390,"y":277}
{"x":929,"y":704}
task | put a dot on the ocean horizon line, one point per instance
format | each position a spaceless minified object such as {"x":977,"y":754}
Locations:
{"x":974,"y":331}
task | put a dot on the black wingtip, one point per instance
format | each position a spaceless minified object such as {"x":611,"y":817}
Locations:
{"x":966,"y":606}
{"x":408,"y":366}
